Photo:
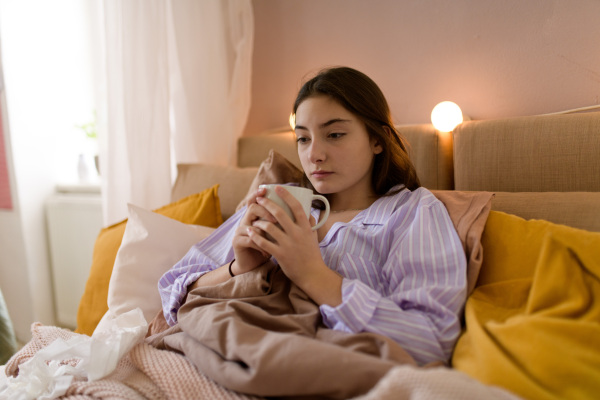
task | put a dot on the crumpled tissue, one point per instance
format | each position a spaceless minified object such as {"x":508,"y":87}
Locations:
{"x":44,"y":376}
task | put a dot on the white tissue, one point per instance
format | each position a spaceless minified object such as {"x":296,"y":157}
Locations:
{"x":42,"y":376}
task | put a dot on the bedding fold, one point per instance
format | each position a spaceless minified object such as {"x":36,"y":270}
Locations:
{"x":148,"y":373}
{"x":260,"y":334}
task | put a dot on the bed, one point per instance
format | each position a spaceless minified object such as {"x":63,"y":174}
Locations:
{"x":524,"y":196}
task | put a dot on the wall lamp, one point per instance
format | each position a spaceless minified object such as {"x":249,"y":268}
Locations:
{"x":446,"y":115}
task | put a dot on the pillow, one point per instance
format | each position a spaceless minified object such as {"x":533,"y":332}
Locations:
{"x":274,"y":169}
{"x":468,"y":212}
{"x":532,"y":321}
{"x":200,"y":209}
{"x":152,"y":244}
{"x":233,"y":183}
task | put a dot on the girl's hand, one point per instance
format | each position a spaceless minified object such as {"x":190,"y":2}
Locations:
{"x":248,"y":255}
{"x":294,"y":244}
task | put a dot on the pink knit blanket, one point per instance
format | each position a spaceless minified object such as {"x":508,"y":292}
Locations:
{"x":144,"y":373}
{"x":148,"y":373}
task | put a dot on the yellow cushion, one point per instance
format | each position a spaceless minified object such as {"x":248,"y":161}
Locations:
{"x":532,"y":323}
{"x":199,"y":209}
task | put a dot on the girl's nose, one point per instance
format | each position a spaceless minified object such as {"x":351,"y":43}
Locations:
{"x":317,"y":152}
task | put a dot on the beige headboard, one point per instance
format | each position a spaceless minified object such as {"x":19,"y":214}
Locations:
{"x":541,"y":167}
{"x":552,"y":153}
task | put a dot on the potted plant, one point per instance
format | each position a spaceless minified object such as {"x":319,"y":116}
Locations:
{"x":90,"y":130}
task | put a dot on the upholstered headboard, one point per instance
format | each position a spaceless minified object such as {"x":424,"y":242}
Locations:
{"x":553,"y":153}
{"x":539,"y":167}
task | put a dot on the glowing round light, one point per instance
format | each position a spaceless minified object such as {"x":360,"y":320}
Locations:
{"x":445,"y":116}
{"x":293,"y":121}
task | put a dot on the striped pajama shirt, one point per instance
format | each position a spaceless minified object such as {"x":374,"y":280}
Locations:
{"x":403,"y":265}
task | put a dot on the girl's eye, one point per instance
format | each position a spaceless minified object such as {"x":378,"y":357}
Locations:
{"x":301,"y":140}
{"x":336,"y":135}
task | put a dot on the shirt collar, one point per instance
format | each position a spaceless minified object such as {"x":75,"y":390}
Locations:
{"x":381,"y":210}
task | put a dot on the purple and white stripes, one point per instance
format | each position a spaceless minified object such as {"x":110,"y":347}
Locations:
{"x":404,"y":273}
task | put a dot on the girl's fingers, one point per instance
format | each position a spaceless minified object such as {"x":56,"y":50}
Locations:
{"x":243,"y":242}
{"x":278,"y":213}
{"x":266,"y":245}
{"x":256,"y":211}
{"x":271,"y":229}
{"x":260,"y":192}
{"x":293,"y":204}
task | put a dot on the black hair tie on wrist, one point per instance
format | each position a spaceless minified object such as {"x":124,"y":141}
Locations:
{"x":230,"y":264}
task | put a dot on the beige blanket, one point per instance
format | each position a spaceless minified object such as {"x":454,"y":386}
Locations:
{"x":259,"y":333}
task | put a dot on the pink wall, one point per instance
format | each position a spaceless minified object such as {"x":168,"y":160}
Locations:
{"x":494,"y":58}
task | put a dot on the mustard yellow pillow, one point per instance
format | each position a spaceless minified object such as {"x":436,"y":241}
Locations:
{"x":199,"y":209}
{"x":532,"y":322}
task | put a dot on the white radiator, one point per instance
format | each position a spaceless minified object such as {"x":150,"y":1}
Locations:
{"x":74,"y":218}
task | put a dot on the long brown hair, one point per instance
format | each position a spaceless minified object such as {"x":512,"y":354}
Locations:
{"x":357,"y":93}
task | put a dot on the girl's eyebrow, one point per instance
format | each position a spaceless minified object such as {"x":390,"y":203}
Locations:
{"x":325,"y":124}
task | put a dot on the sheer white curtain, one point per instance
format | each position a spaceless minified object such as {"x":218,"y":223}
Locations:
{"x":177,"y":82}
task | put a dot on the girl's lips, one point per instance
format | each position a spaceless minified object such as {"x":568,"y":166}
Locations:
{"x":321,"y":174}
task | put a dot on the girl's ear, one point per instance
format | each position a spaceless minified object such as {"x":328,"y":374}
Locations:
{"x":376,"y":145}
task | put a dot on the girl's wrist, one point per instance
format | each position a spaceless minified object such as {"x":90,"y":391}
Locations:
{"x":230,"y":271}
{"x":236,"y":269}
{"x":324,"y":286}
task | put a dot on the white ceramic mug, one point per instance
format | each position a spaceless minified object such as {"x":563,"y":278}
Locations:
{"x":304,"y":195}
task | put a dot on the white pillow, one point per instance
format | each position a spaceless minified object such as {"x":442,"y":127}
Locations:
{"x":152,"y":243}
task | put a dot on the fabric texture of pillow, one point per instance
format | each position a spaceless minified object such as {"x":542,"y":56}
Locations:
{"x":532,"y":321}
{"x":469,"y":212}
{"x":274,"y":169}
{"x":577,"y":209}
{"x":152,"y":244}
{"x":233,"y":183}
{"x":199,"y":209}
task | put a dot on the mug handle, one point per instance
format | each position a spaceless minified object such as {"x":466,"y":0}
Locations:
{"x":322,"y":217}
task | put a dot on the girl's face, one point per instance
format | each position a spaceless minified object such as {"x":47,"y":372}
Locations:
{"x":335,"y":150}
